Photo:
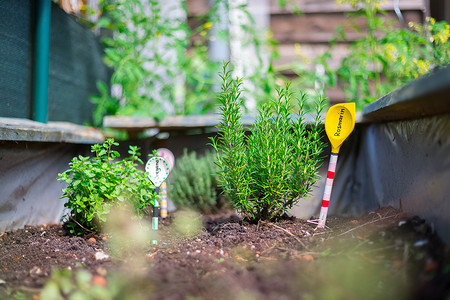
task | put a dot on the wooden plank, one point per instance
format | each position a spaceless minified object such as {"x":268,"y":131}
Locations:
{"x":426,"y":96}
{"x":307,"y":52}
{"x":126,"y":122}
{"x":321,"y":28}
{"x":197,"y":7}
{"x":330,"y":6}
{"x":200,"y":7}
{"x":12,"y":129}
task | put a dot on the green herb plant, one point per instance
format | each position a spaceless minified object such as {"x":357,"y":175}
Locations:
{"x":137,"y":46}
{"x":97,"y":183}
{"x":183,"y":82}
{"x":193,"y":183}
{"x":267,"y":172}
{"x":387,"y":56}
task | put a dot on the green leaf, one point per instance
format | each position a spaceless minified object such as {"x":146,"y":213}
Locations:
{"x":51,"y":291}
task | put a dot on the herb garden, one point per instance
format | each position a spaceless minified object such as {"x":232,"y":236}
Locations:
{"x":219,"y":223}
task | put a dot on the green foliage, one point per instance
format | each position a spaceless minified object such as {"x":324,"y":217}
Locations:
{"x":266,"y":173}
{"x":138,"y":45}
{"x":96,"y":183}
{"x":65,"y":284}
{"x":193,"y":183}
{"x":387,"y":57}
{"x":183,"y":81}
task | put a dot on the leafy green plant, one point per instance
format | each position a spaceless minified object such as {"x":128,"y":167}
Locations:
{"x":183,"y":81}
{"x":193,"y":183}
{"x":143,"y":74}
{"x":67,"y":284}
{"x":387,"y":57}
{"x":96,"y":183}
{"x":267,"y":172}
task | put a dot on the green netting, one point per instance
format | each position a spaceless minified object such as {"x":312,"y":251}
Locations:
{"x":75,"y":64}
{"x":15,"y":58}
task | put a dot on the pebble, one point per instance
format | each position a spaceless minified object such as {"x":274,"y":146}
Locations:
{"x":401,"y":223}
{"x":420,"y":243}
{"x":99,"y":280}
{"x":36,"y":271}
{"x":101,"y":255}
{"x":102,"y":271}
{"x":92,"y":240}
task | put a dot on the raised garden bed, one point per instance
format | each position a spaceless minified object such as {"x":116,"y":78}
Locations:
{"x":380,"y":255}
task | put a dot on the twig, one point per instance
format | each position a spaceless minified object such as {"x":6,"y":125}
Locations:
{"x":288,"y":232}
{"x":81,"y":225}
{"x":371,"y":222}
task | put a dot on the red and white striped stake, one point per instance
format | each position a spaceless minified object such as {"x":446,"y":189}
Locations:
{"x":327,"y":192}
{"x":339,"y":123}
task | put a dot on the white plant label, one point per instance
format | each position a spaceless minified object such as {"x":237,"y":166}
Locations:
{"x":157,"y":170}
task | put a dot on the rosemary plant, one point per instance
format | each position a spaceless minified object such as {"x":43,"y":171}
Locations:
{"x":269,"y":171}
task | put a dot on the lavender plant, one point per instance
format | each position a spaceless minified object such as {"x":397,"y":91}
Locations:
{"x":193,"y":183}
{"x":269,"y":171}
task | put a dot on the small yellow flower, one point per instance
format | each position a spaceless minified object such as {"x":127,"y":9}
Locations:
{"x":402,"y":59}
{"x":207,"y":25}
{"x":391,"y":52}
{"x":299,"y":53}
{"x":297,"y":49}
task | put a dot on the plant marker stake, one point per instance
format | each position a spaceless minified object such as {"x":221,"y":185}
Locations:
{"x":170,"y":159}
{"x":163,"y":200}
{"x":155,"y":219}
{"x":339,"y":123}
{"x":157,"y":171}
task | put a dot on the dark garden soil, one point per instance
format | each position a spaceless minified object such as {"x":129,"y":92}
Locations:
{"x":380,"y":255}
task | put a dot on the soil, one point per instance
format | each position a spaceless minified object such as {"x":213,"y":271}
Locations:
{"x":380,"y":255}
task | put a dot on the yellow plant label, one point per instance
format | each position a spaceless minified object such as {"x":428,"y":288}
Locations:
{"x":339,"y":123}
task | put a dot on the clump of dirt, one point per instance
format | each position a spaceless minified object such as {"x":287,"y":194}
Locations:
{"x":380,"y":255}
